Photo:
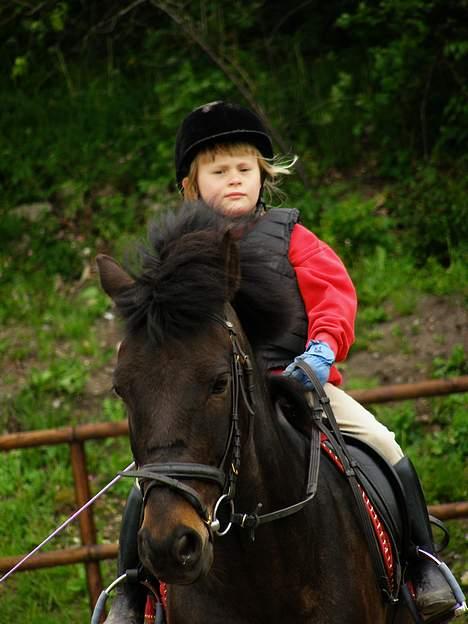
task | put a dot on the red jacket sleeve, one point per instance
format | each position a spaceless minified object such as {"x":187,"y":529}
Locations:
{"x":327,"y":291}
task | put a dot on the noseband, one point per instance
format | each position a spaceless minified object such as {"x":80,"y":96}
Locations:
{"x":172,"y":474}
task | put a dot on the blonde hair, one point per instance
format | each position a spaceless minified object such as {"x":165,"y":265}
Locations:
{"x":270,"y":168}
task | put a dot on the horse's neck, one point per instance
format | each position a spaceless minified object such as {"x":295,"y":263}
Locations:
{"x":274,"y":461}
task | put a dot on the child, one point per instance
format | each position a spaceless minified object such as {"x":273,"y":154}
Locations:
{"x":224,"y":156}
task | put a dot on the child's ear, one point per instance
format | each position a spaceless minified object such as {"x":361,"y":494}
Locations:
{"x":184,"y":183}
{"x":190,"y":192}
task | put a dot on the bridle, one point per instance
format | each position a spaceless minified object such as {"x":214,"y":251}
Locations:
{"x":172,"y":474}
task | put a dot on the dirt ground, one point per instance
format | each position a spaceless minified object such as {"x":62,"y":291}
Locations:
{"x":407,"y":346}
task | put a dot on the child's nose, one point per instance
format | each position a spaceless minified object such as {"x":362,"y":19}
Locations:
{"x":235,"y":178}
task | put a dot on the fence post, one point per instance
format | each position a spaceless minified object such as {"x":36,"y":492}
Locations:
{"x":86,"y":518}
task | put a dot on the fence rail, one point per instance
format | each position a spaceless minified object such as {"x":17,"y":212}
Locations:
{"x":90,"y":553}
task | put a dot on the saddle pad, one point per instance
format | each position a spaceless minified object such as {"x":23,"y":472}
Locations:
{"x":380,"y":502}
{"x":153,"y":614}
{"x":383,"y":487}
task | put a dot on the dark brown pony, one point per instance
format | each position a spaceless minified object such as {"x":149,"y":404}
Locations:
{"x":198,"y":430}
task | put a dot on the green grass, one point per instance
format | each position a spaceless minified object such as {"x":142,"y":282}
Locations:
{"x":53,"y":343}
{"x":38,"y":495}
{"x":437,"y":443}
{"x":46,"y":596}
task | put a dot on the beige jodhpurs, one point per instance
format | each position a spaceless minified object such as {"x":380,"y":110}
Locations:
{"x":354,"y":419}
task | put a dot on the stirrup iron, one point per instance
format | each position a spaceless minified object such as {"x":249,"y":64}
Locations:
{"x":460,"y":607}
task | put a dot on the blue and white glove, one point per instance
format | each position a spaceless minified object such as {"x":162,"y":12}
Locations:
{"x":319,"y":357}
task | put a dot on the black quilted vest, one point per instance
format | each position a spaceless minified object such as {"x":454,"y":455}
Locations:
{"x":273,"y":234}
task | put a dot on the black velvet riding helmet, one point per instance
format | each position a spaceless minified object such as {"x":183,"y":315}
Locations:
{"x":215,"y":123}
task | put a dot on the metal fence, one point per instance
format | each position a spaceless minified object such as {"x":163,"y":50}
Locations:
{"x":91,"y":553}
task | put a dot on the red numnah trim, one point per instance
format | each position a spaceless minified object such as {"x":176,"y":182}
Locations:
{"x":163,"y":594}
{"x":380,"y":532}
{"x":150,"y":607}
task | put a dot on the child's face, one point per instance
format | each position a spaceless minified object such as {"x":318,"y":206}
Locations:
{"x":230,"y":184}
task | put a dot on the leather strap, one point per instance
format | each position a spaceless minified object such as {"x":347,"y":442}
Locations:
{"x":338,"y":443}
{"x":252,"y":520}
{"x":179,"y":470}
{"x":446,"y":539}
{"x":164,"y":473}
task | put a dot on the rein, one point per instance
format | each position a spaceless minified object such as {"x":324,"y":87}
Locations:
{"x":166,"y":474}
{"x":171,"y":474}
{"x":252,"y":520}
{"x":334,"y":436}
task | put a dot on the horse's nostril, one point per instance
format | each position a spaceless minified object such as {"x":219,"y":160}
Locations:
{"x":187,"y":547}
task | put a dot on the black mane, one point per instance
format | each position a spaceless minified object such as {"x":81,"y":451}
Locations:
{"x":183,"y":276}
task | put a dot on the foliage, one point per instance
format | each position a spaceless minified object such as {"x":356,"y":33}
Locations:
{"x":89,"y":104}
{"x":440,"y":456}
{"x":415,"y":53}
{"x":369,"y":95}
{"x":431,"y":212}
{"x":354,"y":227}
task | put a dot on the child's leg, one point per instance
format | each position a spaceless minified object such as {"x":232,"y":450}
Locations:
{"x":354,"y":419}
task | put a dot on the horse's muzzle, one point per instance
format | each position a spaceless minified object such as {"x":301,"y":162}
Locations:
{"x":175,"y":547}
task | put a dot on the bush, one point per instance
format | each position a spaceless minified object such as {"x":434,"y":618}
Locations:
{"x":355,"y":227}
{"x":412,"y":100}
{"x":431,"y":212}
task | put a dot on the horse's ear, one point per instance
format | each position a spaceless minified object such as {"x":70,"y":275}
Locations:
{"x":114,"y":279}
{"x":232,"y":265}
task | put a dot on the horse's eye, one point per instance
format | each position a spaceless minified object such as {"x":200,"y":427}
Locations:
{"x":220,"y":384}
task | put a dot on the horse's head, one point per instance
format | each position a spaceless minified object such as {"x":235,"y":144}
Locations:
{"x":180,"y":371}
